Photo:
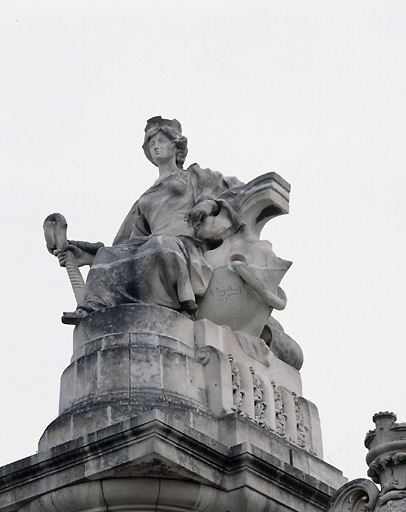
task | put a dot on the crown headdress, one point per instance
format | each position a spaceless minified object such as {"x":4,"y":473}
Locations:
{"x":158,"y":122}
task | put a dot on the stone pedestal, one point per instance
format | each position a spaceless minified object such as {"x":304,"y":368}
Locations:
{"x":158,"y":412}
{"x":133,"y":358}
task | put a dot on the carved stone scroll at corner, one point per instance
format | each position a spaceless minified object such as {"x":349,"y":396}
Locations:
{"x":356,"y":496}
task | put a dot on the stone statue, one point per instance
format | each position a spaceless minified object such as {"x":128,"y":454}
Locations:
{"x":190,"y":243}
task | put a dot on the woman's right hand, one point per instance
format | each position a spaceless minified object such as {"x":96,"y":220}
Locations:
{"x":81,"y":257}
{"x":200,"y":211}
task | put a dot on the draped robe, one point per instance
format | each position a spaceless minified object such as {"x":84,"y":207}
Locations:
{"x":156,"y":258}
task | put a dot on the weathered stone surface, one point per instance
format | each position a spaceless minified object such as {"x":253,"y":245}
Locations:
{"x":281,"y":344}
{"x":386,"y":459}
{"x":202,"y":463}
{"x":181,"y":394}
{"x":153,"y":357}
{"x":245,"y":284}
{"x":191,"y":243}
{"x":111,"y":327}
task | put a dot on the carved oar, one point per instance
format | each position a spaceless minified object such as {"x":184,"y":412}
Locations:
{"x":55,"y":227}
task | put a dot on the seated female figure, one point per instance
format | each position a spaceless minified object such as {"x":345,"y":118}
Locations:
{"x":156,"y":257}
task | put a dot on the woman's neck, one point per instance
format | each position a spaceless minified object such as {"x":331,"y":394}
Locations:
{"x":167,"y":168}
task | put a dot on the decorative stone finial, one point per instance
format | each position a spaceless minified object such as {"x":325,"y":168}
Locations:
{"x":386,"y":459}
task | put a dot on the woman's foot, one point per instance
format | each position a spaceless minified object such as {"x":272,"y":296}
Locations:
{"x":189,"y":306}
{"x":74,"y":317}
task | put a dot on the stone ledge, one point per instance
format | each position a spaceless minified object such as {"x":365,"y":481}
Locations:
{"x":156,"y":442}
{"x":131,"y":318}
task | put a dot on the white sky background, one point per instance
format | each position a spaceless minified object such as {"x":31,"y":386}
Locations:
{"x":312,"y":90}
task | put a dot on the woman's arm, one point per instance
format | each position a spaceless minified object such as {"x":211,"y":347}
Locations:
{"x":200,"y":211}
{"x":83,"y":252}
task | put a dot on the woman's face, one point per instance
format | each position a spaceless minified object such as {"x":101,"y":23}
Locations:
{"x":161,"y":148}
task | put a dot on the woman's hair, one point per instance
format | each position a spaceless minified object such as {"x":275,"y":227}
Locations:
{"x":173,"y":130}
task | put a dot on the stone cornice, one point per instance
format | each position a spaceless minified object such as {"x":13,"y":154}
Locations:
{"x":174,"y":449}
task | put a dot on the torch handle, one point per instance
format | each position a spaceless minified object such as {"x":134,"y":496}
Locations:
{"x":55,"y":227}
{"x":75,"y":277}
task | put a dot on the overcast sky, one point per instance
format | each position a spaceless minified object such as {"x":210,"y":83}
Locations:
{"x":314,"y":90}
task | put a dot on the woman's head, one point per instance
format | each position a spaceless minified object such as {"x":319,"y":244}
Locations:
{"x":172,"y":129}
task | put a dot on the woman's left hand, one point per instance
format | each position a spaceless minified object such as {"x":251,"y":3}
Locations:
{"x":201,"y":210}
